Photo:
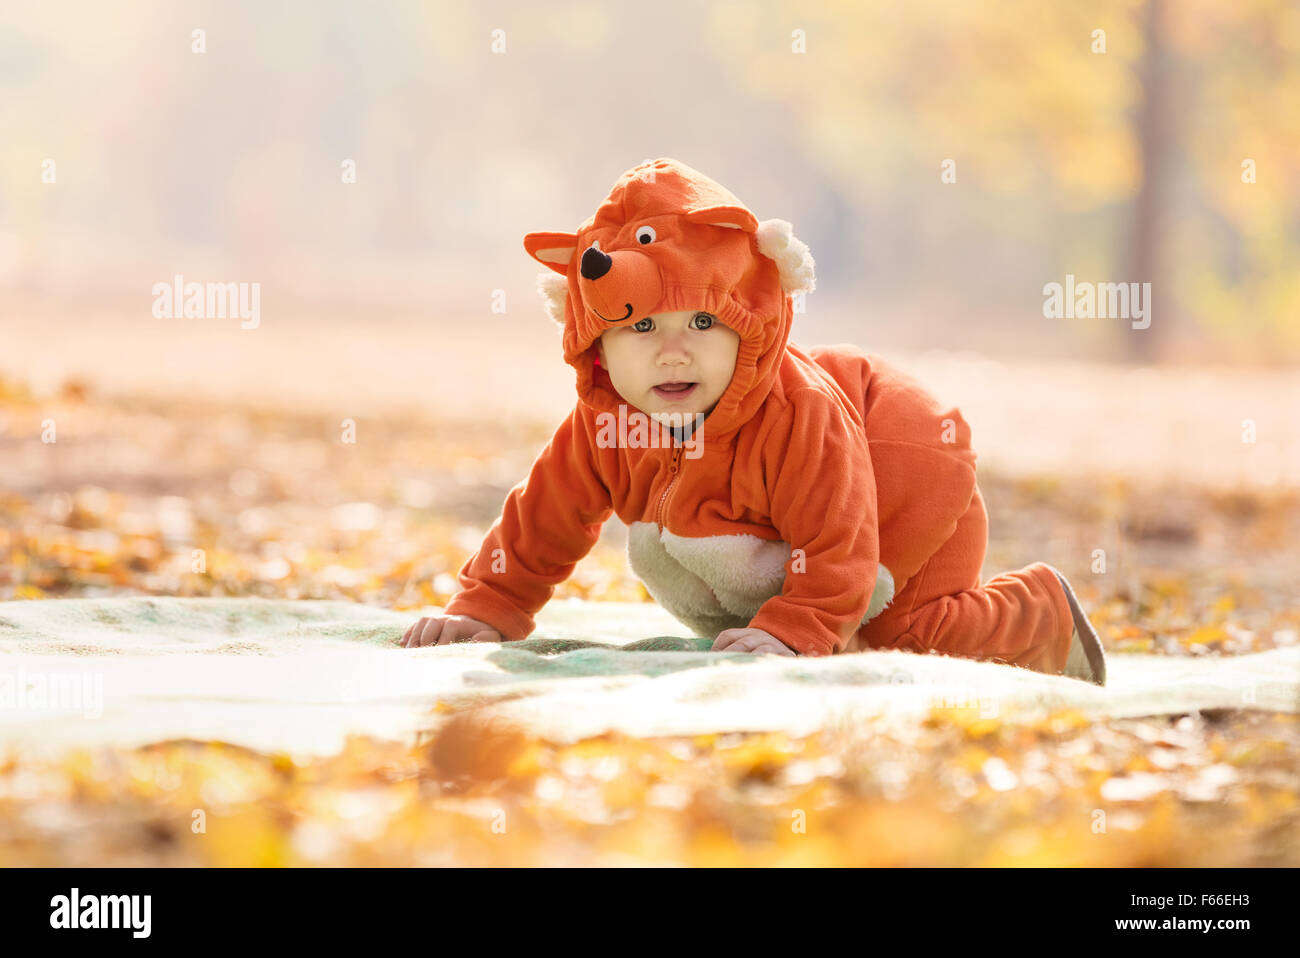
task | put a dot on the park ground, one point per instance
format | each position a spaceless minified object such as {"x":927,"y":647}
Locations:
{"x":1200,"y":560}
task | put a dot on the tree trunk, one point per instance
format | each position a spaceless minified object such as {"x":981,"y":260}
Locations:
{"x":1150,"y":211}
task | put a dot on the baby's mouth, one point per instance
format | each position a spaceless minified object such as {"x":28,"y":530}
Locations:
{"x":674,"y":391}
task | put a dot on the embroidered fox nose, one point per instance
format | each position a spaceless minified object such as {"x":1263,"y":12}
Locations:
{"x":609,"y":293}
{"x":595,"y":263}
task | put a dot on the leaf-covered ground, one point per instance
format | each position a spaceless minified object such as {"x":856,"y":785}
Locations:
{"x":144,"y":498}
{"x":1213,"y":789}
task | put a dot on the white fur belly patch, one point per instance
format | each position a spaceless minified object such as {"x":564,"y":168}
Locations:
{"x":713,"y":583}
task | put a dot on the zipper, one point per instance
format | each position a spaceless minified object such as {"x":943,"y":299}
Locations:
{"x":673,"y":469}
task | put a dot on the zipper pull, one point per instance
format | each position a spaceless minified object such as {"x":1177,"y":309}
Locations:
{"x":663,"y":496}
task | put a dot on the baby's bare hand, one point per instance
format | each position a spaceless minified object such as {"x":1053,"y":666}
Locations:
{"x":445,"y":629}
{"x":750,"y":640}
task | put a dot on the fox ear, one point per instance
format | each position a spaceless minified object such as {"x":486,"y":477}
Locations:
{"x":555,"y":292}
{"x":736,"y":217}
{"x":552,"y":249}
{"x":776,"y":240}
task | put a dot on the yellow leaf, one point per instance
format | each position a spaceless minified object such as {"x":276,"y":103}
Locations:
{"x":1066,"y":719}
{"x":1208,"y":633}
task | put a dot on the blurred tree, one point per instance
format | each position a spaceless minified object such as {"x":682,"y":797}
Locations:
{"x":1114,"y":164}
{"x":1155,"y":134}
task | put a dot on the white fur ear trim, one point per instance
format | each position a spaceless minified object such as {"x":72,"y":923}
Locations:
{"x":555,"y":290}
{"x":776,"y":240}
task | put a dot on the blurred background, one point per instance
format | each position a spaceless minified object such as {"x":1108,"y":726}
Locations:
{"x":1115,"y":166}
{"x":375,"y":167}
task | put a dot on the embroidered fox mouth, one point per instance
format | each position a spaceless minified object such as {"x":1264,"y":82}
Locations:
{"x":619,"y":319}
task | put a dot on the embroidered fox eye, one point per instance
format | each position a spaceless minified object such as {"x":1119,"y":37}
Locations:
{"x":645,"y":234}
{"x":705,"y":316}
{"x":642,"y":329}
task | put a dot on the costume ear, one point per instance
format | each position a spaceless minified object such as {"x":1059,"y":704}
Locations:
{"x":736,"y":217}
{"x":776,"y":240}
{"x":552,"y":249}
{"x":555,"y":291}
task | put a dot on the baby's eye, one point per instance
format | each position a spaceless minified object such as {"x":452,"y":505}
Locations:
{"x":642,"y":329}
{"x":645,"y":234}
{"x":708,"y":320}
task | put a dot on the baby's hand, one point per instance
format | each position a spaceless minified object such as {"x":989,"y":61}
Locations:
{"x":750,"y":640}
{"x":445,"y":629}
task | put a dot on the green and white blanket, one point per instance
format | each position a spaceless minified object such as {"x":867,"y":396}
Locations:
{"x":300,"y":676}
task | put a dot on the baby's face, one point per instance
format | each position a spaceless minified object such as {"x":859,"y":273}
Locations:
{"x":688,"y":346}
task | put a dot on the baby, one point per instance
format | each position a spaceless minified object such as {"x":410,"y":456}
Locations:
{"x":785,"y":501}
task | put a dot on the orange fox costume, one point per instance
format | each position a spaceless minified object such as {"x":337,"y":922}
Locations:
{"x":834,"y":504}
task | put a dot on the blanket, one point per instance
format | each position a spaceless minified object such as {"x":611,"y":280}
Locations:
{"x":301,"y":676}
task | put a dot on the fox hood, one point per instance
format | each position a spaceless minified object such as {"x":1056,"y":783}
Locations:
{"x":669,"y":238}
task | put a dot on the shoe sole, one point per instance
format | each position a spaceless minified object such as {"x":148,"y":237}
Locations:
{"x":1088,"y":637}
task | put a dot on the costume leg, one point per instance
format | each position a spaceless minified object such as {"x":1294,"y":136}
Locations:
{"x":1021,"y":618}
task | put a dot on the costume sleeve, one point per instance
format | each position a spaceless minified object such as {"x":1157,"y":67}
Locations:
{"x":548,"y":523}
{"x":822,"y":496}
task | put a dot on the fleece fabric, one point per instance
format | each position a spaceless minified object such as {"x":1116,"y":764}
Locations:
{"x":814,"y":501}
